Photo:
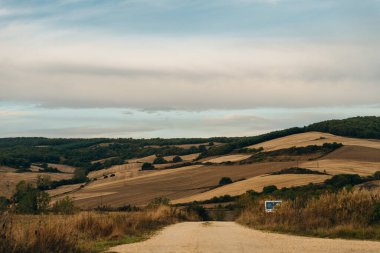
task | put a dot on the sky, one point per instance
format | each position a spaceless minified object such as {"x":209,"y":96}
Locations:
{"x":190,"y":68}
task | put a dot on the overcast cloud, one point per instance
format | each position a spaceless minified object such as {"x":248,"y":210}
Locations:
{"x":224,"y":66}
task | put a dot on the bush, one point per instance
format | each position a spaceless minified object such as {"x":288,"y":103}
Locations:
{"x":64,"y":206}
{"x":342,"y":180}
{"x":177,"y":159}
{"x":376,"y":213}
{"x":30,"y":199}
{"x":377,"y":175}
{"x":200,"y":211}
{"x":269,"y":189}
{"x":159,"y":201}
{"x":147,"y":166}
{"x":326,"y":215}
{"x":224,"y":181}
{"x":4,"y":202}
{"x":159,"y":160}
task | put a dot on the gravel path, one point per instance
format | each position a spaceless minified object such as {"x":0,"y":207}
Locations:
{"x":229,"y":237}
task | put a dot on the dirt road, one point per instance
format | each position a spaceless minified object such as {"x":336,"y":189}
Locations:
{"x":229,"y":237}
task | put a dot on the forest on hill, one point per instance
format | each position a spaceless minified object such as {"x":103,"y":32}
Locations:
{"x":21,"y":152}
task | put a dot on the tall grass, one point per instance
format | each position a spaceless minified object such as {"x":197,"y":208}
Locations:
{"x":80,"y":232}
{"x":349,"y":214}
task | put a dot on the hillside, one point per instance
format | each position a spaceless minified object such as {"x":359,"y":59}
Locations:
{"x":109,"y":171}
{"x":359,"y":127}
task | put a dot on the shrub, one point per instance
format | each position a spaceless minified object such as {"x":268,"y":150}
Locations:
{"x":64,"y":206}
{"x":177,"y":159}
{"x":147,"y":166}
{"x":159,"y":201}
{"x":199,"y":210}
{"x":159,"y":160}
{"x":30,"y":199}
{"x":224,"y":181}
{"x":4,"y":202}
{"x":377,"y":175}
{"x":376,"y":213}
{"x":342,"y":180}
{"x":269,"y":189}
{"x":356,"y":210}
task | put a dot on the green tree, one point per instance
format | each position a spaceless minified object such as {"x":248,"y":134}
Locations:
{"x":147,"y":166}
{"x":159,"y":160}
{"x":64,"y":206}
{"x":224,"y":181}
{"x":4,"y":202}
{"x":43,"y":181}
{"x":269,"y":189}
{"x":177,"y":159}
{"x":29,"y":199}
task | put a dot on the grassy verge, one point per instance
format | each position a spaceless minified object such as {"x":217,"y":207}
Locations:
{"x":85,"y":232}
{"x":103,"y":245}
{"x":346,"y":214}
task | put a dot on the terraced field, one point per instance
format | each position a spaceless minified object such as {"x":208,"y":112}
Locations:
{"x":256,"y":184}
{"x":314,"y":138}
{"x":174,"y":184}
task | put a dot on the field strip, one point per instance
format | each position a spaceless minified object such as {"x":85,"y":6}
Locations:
{"x":256,"y":184}
{"x":153,"y":174}
{"x":314,"y":138}
{"x":334,"y":167}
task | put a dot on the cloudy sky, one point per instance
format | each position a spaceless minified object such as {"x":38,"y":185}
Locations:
{"x":190,"y":68}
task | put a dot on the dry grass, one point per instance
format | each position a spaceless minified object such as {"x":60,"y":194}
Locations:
{"x":342,"y":214}
{"x":185,"y":158}
{"x":314,"y":138}
{"x":356,"y":153}
{"x":64,"y":189}
{"x":146,"y":159}
{"x":335,"y":167}
{"x":102,"y":160}
{"x":227,"y":158}
{"x":81,"y":232}
{"x":7,"y":169}
{"x":9,"y":180}
{"x":257,"y":184}
{"x":62,"y":167}
{"x":124,"y":171}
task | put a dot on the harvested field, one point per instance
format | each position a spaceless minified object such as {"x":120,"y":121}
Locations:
{"x":228,"y":158}
{"x":334,"y":167}
{"x":6,"y":169}
{"x":197,"y":145}
{"x":64,"y":189}
{"x":62,"y":167}
{"x":174,"y":183}
{"x":185,"y":158}
{"x":127,"y":170}
{"x":256,"y":184}
{"x":356,"y":153}
{"x":9,"y":180}
{"x":314,"y":138}
{"x":146,"y":159}
{"x":102,"y":160}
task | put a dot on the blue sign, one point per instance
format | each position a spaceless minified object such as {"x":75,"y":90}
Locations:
{"x":271,"y":204}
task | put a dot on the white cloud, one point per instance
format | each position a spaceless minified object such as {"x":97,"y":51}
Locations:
{"x":190,"y":74}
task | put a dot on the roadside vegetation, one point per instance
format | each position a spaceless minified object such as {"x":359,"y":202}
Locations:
{"x":336,"y":208}
{"x":84,"y":231}
{"x":63,"y":228}
{"x":344,"y":214}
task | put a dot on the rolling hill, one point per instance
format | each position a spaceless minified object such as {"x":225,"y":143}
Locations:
{"x":109,"y":171}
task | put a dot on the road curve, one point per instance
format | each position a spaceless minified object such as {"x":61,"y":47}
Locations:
{"x":229,"y":237}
